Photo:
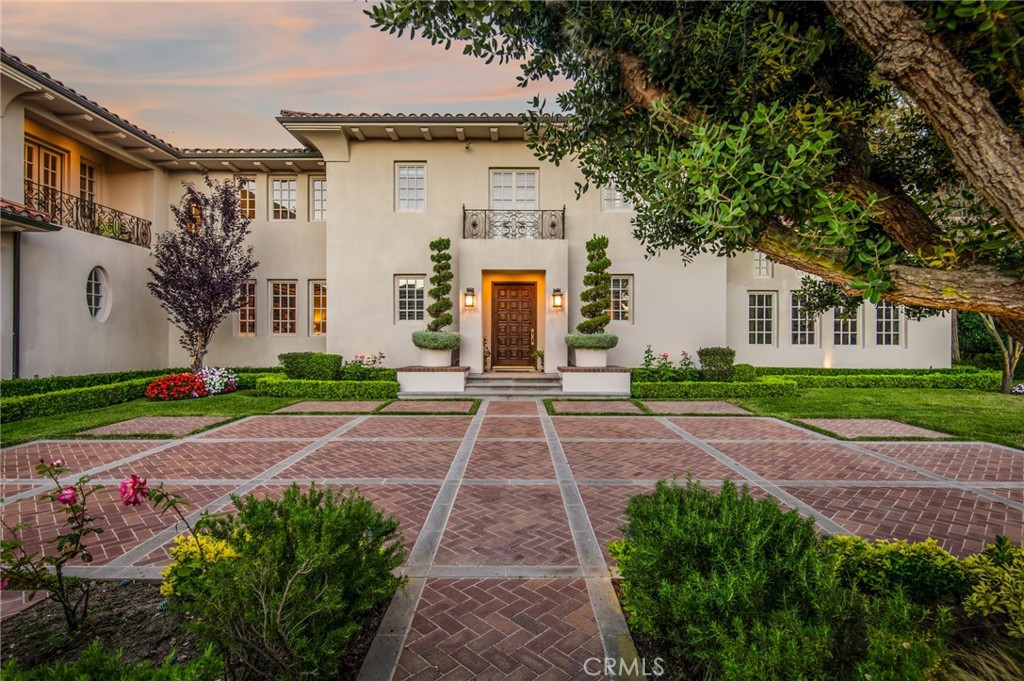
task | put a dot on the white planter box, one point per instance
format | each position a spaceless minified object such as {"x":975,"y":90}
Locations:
{"x":432,"y":381}
{"x":596,"y":382}
{"x":435,"y":358}
{"x":591,"y":358}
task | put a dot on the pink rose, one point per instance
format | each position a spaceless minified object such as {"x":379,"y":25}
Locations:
{"x":3,"y":583}
{"x":664,"y":355}
{"x":68,"y":496}
{"x":133,"y":490}
{"x":57,"y":463}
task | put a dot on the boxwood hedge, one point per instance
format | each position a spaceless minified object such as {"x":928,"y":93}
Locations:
{"x":17,"y":387}
{"x":822,"y":371}
{"x":982,"y":380}
{"x":689,"y":390}
{"x":274,"y":386}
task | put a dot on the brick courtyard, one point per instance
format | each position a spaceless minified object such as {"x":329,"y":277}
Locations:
{"x":507,"y":513}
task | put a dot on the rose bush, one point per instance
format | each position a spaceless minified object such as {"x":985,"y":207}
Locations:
{"x":177,"y":387}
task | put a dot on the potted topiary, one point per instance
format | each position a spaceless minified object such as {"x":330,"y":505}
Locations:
{"x":436,"y":345}
{"x":590,"y":342}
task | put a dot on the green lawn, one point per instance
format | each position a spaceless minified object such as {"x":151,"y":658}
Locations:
{"x":233,"y":405}
{"x":965,"y":414}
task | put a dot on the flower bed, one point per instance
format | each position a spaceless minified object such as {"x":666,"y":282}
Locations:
{"x":208,"y":381}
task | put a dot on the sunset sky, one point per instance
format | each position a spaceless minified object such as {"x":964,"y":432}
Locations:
{"x":215,"y":74}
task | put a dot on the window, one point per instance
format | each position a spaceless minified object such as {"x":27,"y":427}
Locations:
{"x":247,"y":313}
{"x":97,"y":295}
{"x":283,"y":198}
{"x":44,"y":166}
{"x":247,"y":196}
{"x":514,"y":189}
{"x":282,"y":307}
{"x":613,"y":200}
{"x":887,"y":324}
{"x":762,"y":266}
{"x":317,"y":308}
{"x":87,"y":182}
{"x":761,"y":316}
{"x":409,"y":291}
{"x":844,"y":330}
{"x":803,"y":324}
{"x":318,"y":198}
{"x":411,"y":187}
{"x":622,"y":289}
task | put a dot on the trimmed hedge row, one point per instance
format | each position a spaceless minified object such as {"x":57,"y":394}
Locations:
{"x":17,"y":387}
{"x":688,"y":390}
{"x":984,"y":380}
{"x":273,"y":386}
{"x":822,"y":371}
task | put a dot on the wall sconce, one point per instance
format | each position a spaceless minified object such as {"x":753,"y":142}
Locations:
{"x":556,"y":299}
{"x":469,"y":297}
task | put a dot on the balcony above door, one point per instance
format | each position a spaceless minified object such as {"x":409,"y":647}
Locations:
{"x":483,"y":223}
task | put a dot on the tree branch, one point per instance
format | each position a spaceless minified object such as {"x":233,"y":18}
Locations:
{"x":960,"y":111}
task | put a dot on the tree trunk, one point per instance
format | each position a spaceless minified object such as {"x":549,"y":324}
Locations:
{"x":955,"y":338}
{"x":197,"y":352}
{"x":960,"y":111}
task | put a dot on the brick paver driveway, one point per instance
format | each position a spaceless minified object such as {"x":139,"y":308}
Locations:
{"x":507,"y":514}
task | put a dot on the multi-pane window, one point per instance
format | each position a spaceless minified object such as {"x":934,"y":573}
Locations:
{"x":247,"y":313}
{"x":247,"y":196}
{"x":409,"y":291}
{"x":283,"y":198}
{"x":845,"y":327}
{"x":514,"y":189}
{"x":87,"y":182}
{"x":317,"y":308}
{"x":803,"y":323}
{"x":761,"y":318}
{"x":318,"y":198}
{"x":96,"y":293}
{"x":44,"y":167}
{"x":762,"y":266}
{"x":411,"y":187}
{"x":283,"y":307}
{"x":622,"y":296}
{"x":887,"y":324}
{"x":612,"y":199}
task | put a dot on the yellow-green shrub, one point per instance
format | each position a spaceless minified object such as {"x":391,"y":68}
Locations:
{"x":192,"y":555}
{"x":998,"y":589}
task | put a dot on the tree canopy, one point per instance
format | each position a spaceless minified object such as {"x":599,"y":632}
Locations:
{"x":874,"y":144}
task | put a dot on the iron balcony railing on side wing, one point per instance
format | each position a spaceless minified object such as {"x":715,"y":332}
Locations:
{"x":71,"y":211}
{"x":482,"y":223}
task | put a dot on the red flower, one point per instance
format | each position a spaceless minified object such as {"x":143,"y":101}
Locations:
{"x":176,"y":387}
{"x":133,"y":490}
{"x":68,"y":496}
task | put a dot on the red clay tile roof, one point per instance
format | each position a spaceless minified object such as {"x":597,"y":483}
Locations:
{"x":23,"y":210}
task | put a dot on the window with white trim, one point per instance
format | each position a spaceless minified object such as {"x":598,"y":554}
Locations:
{"x":845,"y":327}
{"x":622,"y":298}
{"x":761,"y":318}
{"x":410,"y":187}
{"x":803,"y":325}
{"x":96,"y":294}
{"x":762,"y":266}
{"x":317,"y":308}
{"x":44,"y":165}
{"x":283,"y":308}
{"x":246,"y":314}
{"x":888,"y":324}
{"x":87,"y":182}
{"x":318,"y":198}
{"x":247,"y":196}
{"x":513,"y":189}
{"x":283,"y":198}
{"x":613,"y":200}
{"x":409,"y":297}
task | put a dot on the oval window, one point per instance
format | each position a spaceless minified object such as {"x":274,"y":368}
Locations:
{"x":97,"y":294}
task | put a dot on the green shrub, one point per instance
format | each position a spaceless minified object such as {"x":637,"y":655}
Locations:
{"x":596,"y":297}
{"x":272,"y":386}
{"x":18,"y":387}
{"x":990,"y":361}
{"x":822,"y":371}
{"x":729,"y":586}
{"x":665,"y":375}
{"x":697,"y":390}
{"x":96,"y":662}
{"x":905,"y":641}
{"x":982,"y":380}
{"x":436,"y":340}
{"x":73,"y":400}
{"x":924,"y":571}
{"x":591,"y":341}
{"x":311,"y":366}
{"x":744,"y":373}
{"x":353,"y":372}
{"x":998,"y":589}
{"x":717,"y":363}
{"x":439,"y":310}
{"x":313,"y":569}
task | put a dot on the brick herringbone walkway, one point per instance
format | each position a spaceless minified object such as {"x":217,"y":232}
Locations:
{"x":507,"y":514}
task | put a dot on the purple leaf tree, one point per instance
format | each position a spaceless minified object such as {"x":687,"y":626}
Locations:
{"x":202,"y":262}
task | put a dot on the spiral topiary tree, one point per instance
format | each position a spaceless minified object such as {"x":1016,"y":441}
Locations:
{"x":440,"y":316}
{"x":596,"y":299}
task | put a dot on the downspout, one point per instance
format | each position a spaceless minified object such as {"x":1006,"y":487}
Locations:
{"x":16,"y":308}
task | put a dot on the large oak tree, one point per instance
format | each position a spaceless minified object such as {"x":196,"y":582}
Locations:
{"x":876,"y":145}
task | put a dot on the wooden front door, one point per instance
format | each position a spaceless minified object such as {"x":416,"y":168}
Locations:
{"x":514,"y":323}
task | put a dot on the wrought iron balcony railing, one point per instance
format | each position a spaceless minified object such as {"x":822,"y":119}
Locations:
{"x":71,"y":211}
{"x":480,"y":223}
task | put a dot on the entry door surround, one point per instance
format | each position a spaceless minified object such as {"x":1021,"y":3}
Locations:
{"x":514,"y":323}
